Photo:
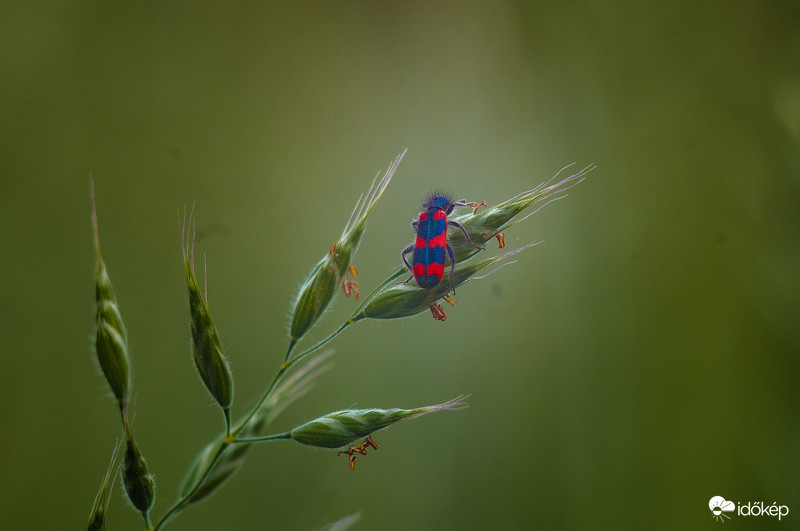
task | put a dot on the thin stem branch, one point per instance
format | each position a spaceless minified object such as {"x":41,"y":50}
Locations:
{"x":265,"y":438}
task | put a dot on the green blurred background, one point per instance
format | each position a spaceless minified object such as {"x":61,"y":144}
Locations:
{"x":640,"y":361}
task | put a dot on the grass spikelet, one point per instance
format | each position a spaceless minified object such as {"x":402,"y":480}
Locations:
{"x":209,"y":356}
{"x":97,"y":518}
{"x":137,"y":480}
{"x":488,"y":222}
{"x":320,"y":286}
{"x":341,"y":428}
{"x":396,"y":300}
{"x":110,"y":337}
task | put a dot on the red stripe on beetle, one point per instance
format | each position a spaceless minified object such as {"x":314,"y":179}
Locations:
{"x":438,"y":241}
{"x":435,"y":269}
{"x":419,"y":270}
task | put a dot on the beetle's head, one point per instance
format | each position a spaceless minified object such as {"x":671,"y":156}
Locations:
{"x":439,"y":201}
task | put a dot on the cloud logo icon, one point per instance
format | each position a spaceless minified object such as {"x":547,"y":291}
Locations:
{"x":719,"y":506}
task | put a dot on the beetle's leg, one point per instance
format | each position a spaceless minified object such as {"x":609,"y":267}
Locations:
{"x":473,"y":205}
{"x":407,"y":250}
{"x":452,"y":267}
{"x":403,"y":256}
{"x":469,"y":240}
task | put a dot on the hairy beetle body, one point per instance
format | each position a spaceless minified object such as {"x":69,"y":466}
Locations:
{"x":430,"y":244}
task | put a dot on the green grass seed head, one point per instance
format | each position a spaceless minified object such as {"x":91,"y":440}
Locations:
{"x":112,"y":355}
{"x":209,"y":356}
{"x":315,"y":295}
{"x":221,"y":458}
{"x":137,"y":480}
{"x":320,"y":286}
{"x":110,"y":337}
{"x":342,"y":428}
{"x":396,"y":300}
{"x":97,"y":517}
{"x":490,"y":221}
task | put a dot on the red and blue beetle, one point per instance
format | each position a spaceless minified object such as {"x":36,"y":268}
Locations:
{"x":431,"y":241}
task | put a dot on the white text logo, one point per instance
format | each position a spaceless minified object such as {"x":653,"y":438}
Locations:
{"x":719,"y":506}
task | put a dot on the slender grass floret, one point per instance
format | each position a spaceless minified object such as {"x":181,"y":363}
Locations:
{"x":209,"y":356}
{"x":110,"y":338}
{"x":319,"y":287}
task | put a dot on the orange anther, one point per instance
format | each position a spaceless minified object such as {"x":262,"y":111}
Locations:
{"x":449,"y":301}
{"x":501,"y":239}
{"x":350,"y":287}
{"x":371,"y":442}
{"x":438,"y":312}
{"x":360,"y":449}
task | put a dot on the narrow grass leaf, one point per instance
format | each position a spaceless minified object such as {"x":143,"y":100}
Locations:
{"x":230,"y":463}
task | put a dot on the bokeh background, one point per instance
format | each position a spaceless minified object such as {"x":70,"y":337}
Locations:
{"x":640,"y":361}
